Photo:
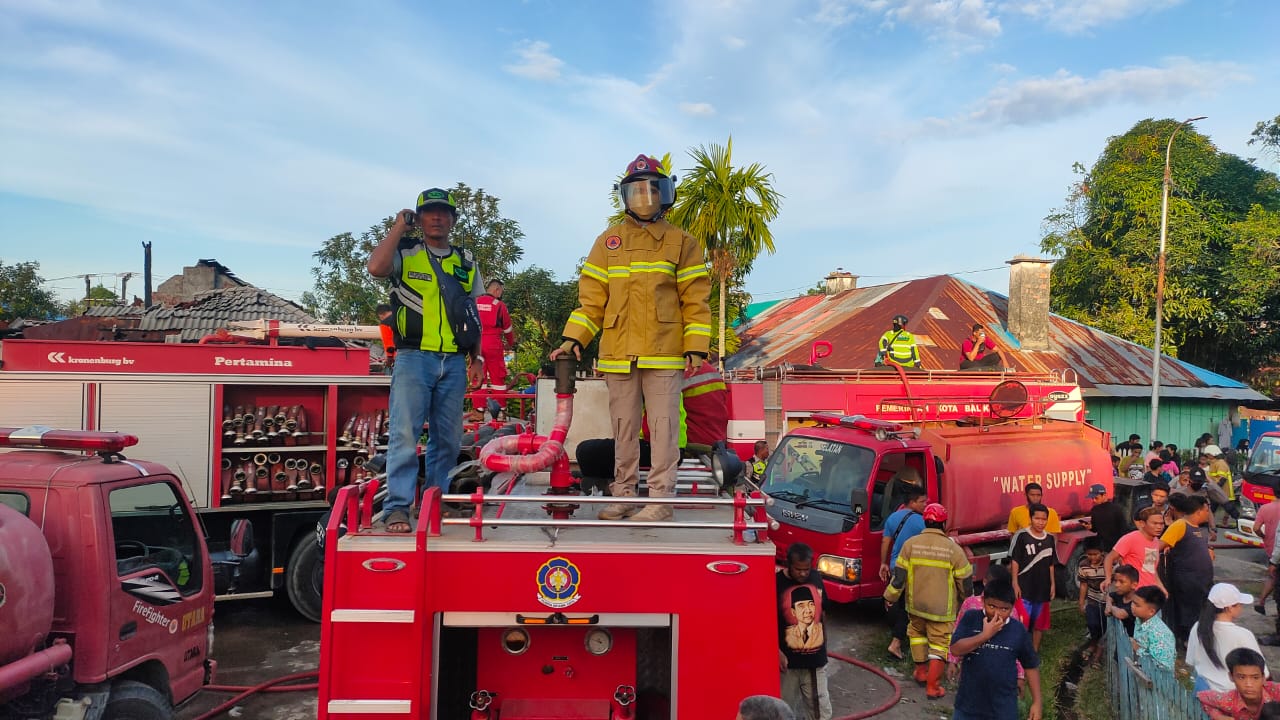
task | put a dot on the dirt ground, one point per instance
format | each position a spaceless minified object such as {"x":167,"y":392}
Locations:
{"x":262,"y":639}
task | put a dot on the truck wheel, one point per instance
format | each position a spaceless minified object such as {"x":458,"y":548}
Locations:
{"x":131,"y":700}
{"x":304,"y":578}
{"x":1068,"y":585}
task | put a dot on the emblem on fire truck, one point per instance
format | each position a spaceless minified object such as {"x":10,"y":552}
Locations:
{"x":558,"y":583}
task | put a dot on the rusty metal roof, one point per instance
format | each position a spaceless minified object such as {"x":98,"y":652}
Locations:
{"x":942,"y":311}
{"x":209,"y":311}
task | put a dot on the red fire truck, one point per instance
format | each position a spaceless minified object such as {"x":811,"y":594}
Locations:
{"x":510,"y":614}
{"x":830,"y":475}
{"x":253,"y":432}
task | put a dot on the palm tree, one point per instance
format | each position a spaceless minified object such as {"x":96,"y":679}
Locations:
{"x":729,"y":210}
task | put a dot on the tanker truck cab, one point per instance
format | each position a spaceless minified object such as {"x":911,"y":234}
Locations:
{"x":833,"y":487}
{"x":113,"y":617}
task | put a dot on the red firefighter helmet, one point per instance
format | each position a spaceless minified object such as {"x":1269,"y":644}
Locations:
{"x":935,"y":512}
{"x":646,"y":191}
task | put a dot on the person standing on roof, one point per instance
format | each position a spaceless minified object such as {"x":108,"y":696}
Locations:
{"x":644,"y":289}
{"x":897,"y":346}
{"x":431,"y":373}
{"x":388,"y":336}
{"x":496,"y":335}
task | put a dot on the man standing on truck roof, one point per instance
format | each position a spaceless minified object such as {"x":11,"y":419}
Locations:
{"x":1020,"y":516}
{"x":388,"y":336}
{"x":431,"y":372}
{"x":802,"y":647}
{"x":496,"y":335}
{"x":934,"y":573}
{"x":897,"y":346}
{"x":644,"y":289}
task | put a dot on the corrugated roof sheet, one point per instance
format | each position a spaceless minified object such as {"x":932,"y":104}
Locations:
{"x":210,"y":311}
{"x":942,"y":311}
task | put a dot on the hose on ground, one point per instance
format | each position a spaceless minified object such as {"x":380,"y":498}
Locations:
{"x":882,"y":707}
{"x":268,"y":686}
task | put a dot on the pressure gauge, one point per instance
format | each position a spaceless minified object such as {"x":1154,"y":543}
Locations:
{"x":599,"y":641}
{"x":515,"y":640}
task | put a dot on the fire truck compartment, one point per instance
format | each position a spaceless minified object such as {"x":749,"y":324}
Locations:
{"x":538,"y":619}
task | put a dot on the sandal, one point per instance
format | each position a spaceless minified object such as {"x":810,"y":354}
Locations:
{"x":398,"y":522}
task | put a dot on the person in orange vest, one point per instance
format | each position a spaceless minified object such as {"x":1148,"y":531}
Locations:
{"x":496,"y":335}
{"x":388,"y":336}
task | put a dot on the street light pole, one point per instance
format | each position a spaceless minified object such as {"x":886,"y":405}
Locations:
{"x":1164,"y":233}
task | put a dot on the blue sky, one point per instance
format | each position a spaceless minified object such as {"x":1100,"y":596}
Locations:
{"x":909,"y":137}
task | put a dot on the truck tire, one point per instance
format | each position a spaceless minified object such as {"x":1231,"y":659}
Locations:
{"x":132,"y":700}
{"x":304,"y":578}
{"x":1068,"y":585}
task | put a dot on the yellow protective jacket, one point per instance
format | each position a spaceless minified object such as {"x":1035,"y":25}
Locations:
{"x":644,"y":289}
{"x":934,"y":572}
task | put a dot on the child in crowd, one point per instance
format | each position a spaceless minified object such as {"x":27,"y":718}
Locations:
{"x":1251,"y":692}
{"x":990,"y":646}
{"x":1093,"y":601}
{"x":1124,"y":580}
{"x":1140,"y":549}
{"x":1152,"y":638}
{"x":995,"y":573}
{"x":1032,"y":554}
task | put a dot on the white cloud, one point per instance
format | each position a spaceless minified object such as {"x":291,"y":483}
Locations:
{"x":1040,"y":100}
{"x":734,"y":43}
{"x":1076,"y":16}
{"x":701,"y":109}
{"x":536,"y":61}
{"x":947,"y":19}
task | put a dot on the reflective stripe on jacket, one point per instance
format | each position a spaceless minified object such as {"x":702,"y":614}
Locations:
{"x":418,"y":310}
{"x":644,"y":290}
{"x":932,"y":569}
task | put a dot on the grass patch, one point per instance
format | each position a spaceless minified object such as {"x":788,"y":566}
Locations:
{"x":1056,"y":648}
{"x":1092,"y":700}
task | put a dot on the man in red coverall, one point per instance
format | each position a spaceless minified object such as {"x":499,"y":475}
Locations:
{"x":496,"y":335}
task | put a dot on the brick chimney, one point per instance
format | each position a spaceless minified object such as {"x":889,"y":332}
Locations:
{"x":1029,"y":301}
{"x":839,"y":281}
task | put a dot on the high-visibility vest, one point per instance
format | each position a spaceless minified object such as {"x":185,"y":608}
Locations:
{"x":417,"y":308}
{"x":899,"y":347}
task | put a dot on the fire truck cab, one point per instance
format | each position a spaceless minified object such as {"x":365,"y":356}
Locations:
{"x":510,"y":614}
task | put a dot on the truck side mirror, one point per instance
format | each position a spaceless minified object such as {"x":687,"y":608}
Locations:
{"x":241,"y":537}
{"x":858,"y":501}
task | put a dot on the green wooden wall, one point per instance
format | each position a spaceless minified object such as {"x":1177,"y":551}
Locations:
{"x":1182,"y":420}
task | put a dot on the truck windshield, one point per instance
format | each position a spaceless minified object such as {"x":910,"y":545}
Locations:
{"x":1266,"y":456}
{"x":817,"y":472}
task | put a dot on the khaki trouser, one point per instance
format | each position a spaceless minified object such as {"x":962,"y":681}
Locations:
{"x":657,"y":394}
{"x":806,"y":692}
{"x":929,"y":639}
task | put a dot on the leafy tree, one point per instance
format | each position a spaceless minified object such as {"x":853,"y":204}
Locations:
{"x":21,"y":295}
{"x":344,"y":290}
{"x":98,"y":295}
{"x":1222,"y":285}
{"x":729,"y":209}
{"x":540,"y":306}
{"x":493,"y":239}
{"x":1267,"y":134}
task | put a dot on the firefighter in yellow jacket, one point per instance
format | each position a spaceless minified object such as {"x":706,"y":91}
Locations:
{"x":643,"y":289}
{"x":935,"y":574}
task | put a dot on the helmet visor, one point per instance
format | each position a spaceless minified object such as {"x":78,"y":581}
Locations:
{"x":645,"y":197}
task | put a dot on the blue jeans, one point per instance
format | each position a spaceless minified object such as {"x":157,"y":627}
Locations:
{"x":425,"y":387}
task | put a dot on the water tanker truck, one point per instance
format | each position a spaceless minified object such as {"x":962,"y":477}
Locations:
{"x":106,"y":586}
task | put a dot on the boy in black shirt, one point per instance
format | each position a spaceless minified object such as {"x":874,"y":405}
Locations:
{"x":1032,"y":553}
{"x":1124,"y":580}
{"x":989,"y":644}
{"x":802,"y":645}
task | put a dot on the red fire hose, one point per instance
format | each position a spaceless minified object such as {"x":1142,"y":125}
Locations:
{"x":268,"y":686}
{"x":882,"y":707}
